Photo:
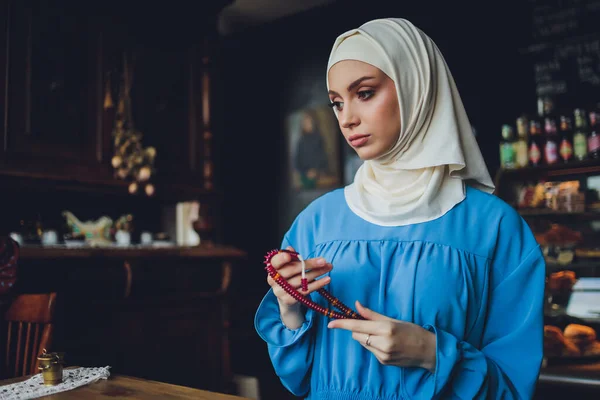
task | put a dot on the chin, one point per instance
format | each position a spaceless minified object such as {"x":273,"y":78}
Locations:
{"x":366,"y":153}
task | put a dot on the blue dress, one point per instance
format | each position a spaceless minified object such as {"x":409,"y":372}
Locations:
{"x":475,"y":277}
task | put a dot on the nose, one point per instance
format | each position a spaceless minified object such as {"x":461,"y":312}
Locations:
{"x":348,"y":118}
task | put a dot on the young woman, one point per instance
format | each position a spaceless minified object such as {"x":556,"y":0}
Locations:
{"x":448,"y":278}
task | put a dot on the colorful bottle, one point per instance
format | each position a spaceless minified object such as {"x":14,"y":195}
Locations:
{"x":580,"y":141}
{"x":594,"y":137}
{"x":507,"y":151}
{"x":552,"y":142}
{"x":566,"y":140}
{"x":535,"y":143}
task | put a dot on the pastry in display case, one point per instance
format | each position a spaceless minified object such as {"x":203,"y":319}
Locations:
{"x":575,"y":343}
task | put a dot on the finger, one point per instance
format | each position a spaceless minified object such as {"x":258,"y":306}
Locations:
{"x":382,"y":357}
{"x":310,"y":276}
{"x":355,"y":325}
{"x":363,"y":337}
{"x":288,"y":271}
{"x":282,"y":295}
{"x":316,"y":285}
{"x":313,"y":286}
{"x":293,"y":269}
{"x":313,"y":263}
{"x":278,"y":291}
{"x":280,"y":259}
{"x":369,"y":314}
{"x":375,"y":342}
{"x":272,"y":282}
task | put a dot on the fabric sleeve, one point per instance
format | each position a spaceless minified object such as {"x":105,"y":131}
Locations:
{"x":508,"y":364}
{"x":291,"y":351}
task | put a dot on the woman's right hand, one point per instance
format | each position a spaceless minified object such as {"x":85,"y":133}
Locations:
{"x":291,"y":271}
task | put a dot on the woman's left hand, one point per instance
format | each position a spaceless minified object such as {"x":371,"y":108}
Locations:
{"x":393,"y":342}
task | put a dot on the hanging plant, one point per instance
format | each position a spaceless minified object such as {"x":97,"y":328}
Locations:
{"x":131,"y":160}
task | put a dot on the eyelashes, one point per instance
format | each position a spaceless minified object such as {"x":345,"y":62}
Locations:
{"x":363,"y":95}
{"x":335,"y":104}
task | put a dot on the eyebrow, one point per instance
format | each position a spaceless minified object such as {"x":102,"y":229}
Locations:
{"x":353,"y":84}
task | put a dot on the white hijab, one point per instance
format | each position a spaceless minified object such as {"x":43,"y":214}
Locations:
{"x":422,"y":176}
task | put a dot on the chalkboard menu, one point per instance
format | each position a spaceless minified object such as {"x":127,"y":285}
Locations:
{"x":564,"y":50}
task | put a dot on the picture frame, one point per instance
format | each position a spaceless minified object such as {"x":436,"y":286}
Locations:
{"x":313,"y":138}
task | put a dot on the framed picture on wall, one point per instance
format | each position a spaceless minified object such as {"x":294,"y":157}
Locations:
{"x":313,"y":144}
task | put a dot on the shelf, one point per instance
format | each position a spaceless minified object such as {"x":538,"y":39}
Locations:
{"x":573,"y":266}
{"x":587,"y":167}
{"x":62,"y":252}
{"x":559,"y":214}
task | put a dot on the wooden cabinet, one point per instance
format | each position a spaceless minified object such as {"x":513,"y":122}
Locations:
{"x":57,"y":60}
{"x":52,"y":94}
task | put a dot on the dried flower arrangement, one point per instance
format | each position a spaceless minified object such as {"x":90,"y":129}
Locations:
{"x":131,"y":161}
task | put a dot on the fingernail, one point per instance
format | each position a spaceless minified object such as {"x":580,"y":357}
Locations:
{"x":321,"y":261}
{"x":329,"y":325}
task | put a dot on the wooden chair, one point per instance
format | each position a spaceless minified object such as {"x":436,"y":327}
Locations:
{"x":30,"y":329}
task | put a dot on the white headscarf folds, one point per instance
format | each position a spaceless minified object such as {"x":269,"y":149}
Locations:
{"x":423,"y":175}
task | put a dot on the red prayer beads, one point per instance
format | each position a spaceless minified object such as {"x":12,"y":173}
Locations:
{"x":345,"y":311}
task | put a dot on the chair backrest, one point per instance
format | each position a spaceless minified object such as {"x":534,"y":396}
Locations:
{"x":9,"y":260}
{"x":30,"y":329}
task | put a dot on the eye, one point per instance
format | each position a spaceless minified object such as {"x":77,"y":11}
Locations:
{"x":337,"y":105}
{"x":365,"y":94}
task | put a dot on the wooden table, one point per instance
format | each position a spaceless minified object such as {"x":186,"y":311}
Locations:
{"x":127,"y":387}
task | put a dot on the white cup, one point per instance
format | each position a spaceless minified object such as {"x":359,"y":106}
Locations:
{"x":146,"y":238}
{"x":49,"y":238}
{"x":123,"y":238}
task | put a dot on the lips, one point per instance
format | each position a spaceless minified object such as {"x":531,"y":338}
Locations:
{"x":358,"y":140}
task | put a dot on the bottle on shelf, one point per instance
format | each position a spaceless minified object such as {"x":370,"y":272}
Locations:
{"x":549,"y":106}
{"x":566,"y":139}
{"x":547,"y":110}
{"x":507,"y":150}
{"x":580,"y":140}
{"x":552,"y":142}
{"x":520,"y":145}
{"x":594,"y":137}
{"x":541,"y":107}
{"x":536,"y":143}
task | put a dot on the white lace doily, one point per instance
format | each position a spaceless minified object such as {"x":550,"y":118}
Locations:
{"x":34,"y":387}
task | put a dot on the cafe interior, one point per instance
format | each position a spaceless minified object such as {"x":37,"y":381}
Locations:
{"x":150,"y":158}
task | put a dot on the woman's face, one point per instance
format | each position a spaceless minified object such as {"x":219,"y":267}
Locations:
{"x":367,"y":107}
